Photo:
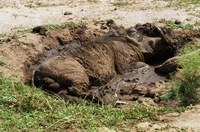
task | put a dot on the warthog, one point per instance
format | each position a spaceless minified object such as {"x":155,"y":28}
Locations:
{"x":96,"y":63}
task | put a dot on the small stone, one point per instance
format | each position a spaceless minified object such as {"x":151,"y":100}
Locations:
{"x":119,"y":102}
{"x":103,"y":27}
{"x":68,"y":13}
{"x":177,"y":22}
{"x":42,"y":123}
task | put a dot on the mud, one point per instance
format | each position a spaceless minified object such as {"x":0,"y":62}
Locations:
{"x":140,"y":83}
{"x":108,"y":68}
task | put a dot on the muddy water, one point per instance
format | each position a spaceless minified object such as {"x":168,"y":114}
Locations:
{"x":144,"y":74}
{"x":143,"y":82}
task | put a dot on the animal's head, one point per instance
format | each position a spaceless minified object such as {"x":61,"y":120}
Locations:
{"x":153,"y":48}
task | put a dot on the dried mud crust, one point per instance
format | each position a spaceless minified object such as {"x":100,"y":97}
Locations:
{"x":87,"y":66}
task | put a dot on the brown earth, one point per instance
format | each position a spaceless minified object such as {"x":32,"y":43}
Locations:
{"x":26,"y":53}
{"x":23,"y":52}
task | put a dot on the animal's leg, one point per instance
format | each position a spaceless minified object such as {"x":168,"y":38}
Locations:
{"x":60,"y":73}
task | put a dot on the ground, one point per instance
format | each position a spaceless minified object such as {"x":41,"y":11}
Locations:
{"x":18,"y":49}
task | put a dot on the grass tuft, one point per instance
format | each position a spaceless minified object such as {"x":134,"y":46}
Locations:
{"x":187,"y":86}
{"x":123,"y":2}
{"x":183,"y":26}
{"x":4,"y":41}
{"x":3,"y":62}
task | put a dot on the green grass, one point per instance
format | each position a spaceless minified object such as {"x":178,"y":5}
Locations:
{"x":4,"y":41}
{"x":24,"y":108}
{"x":63,"y":25}
{"x":93,"y":0}
{"x":41,"y":4}
{"x":183,"y":3}
{"x":51,"y":27}
{"x":183,"y":26}
{"x":190,"y":6}
{"x":3,"y":62}
{"x":123,"y":2}
{"x":172,"y":25}
{"x":186,"y":86}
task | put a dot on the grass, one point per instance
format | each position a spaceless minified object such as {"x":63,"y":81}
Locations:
{"x":93,"y":0}
{"x":183,"y":26}
{"x":3,"y":62}
{"x":186,"y":84}
{"x":172,"y":24}
{"x":24,"y":108}
{"x":187,"y":87}
{"x":41,"y":4}
{"x":189,"y":6}
{"x":183,"y":3}
{"x":123,"y":2}
{"x":4,"y":41}
{"x":63,"y":25}
{"x":52,"y":27}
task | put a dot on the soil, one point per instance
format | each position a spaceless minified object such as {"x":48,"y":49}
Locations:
{"x":23,"y":52}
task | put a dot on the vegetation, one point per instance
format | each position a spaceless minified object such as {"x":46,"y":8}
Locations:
{"x":63,"y":25}
{"x":93,"y":0}
{"x":24,"y":108}
{"x":38,"y":4}
{"x":183,"y":3}
{"x":186,"y":86}
{"x":183,"y":26}
{"x":52,"y":27}
{"x":173,"y":25}
{"x":190,"y":6}
{"x":123,"y":2}
{"x":4,"y":41}
{"x":2,"y":62}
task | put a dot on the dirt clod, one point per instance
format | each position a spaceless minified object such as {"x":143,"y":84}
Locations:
{"x":68,"y":13}
{"x":40,"y":30}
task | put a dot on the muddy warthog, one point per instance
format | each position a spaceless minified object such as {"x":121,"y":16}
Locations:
{"x":78,"y":69}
